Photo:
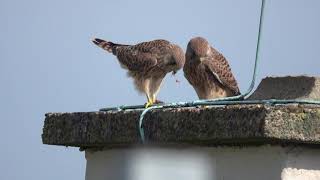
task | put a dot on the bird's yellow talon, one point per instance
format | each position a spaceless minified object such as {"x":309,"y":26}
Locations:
{"x":148,"y":104}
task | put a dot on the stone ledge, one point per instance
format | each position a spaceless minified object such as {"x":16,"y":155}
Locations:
{"x":288,"y":87}
{"x":220,"y":125}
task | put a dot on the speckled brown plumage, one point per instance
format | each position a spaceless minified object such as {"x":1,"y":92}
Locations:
{"x":208,"y":71}
{"x":147,"y":62}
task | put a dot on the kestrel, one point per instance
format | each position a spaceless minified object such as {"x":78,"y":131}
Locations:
{"x":208,"y":71}
{"x":147,"y":63}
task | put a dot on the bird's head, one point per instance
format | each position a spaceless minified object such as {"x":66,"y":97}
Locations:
{"x":198,"y":49}
{"x":178,"y":58}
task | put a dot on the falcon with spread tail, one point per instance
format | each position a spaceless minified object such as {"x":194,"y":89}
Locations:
{"x":147,"y":63}
{"x":208,"y":71}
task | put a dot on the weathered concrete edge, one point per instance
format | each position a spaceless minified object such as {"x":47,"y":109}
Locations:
{"x":288,"y":87}
{"x":266,"y":125}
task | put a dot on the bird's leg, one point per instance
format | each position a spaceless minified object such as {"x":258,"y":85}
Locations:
{"x":154,"y":87}
{"x":146,"y":85}
{"x":154,"y":99}
{"x":149,"y":103}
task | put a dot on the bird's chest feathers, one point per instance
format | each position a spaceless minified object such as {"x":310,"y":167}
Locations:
{"x":197,"y":69}
{"x":199,"y":73}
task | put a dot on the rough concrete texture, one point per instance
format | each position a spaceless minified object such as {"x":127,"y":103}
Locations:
{"x":220,"y":125}
{"x":289,"y":87}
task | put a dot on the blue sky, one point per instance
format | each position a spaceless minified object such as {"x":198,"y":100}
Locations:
{"x":48,"y":64}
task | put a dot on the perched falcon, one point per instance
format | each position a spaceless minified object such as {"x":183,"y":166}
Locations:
{"x":208,"y":71}
{"x":147,"y":63}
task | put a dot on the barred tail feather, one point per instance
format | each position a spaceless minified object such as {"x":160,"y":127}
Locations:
{"x":108,"y":46}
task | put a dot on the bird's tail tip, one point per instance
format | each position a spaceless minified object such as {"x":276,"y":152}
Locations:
{"x":103,"y":44}
{"x":97,"y":41}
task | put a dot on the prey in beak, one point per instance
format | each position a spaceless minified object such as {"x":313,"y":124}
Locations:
{"x":174,"y":75}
